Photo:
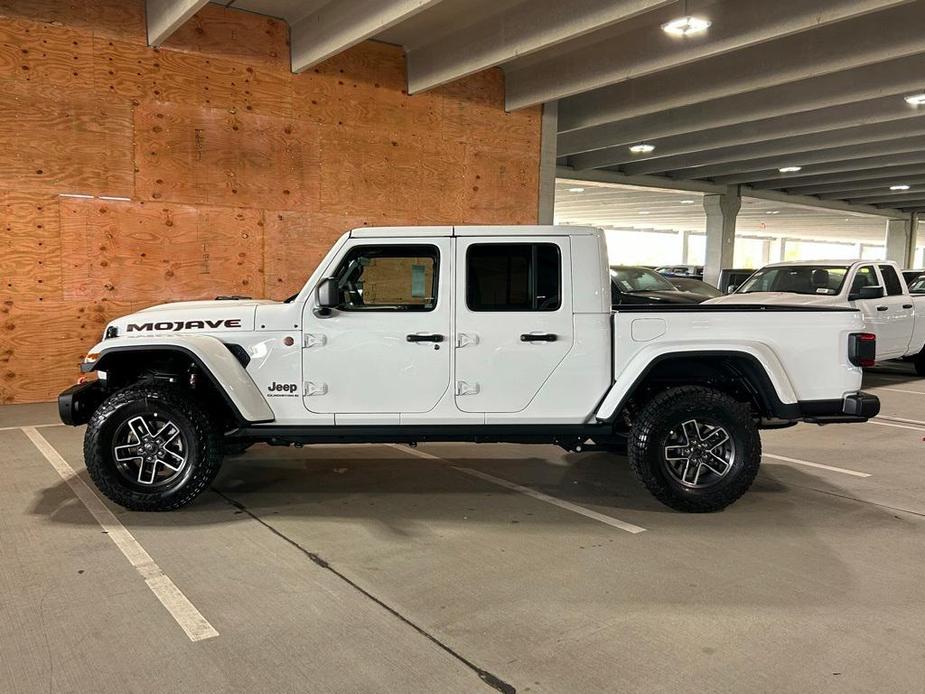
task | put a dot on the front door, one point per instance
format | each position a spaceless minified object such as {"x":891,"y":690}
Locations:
{"x":386,"y":347}
{"x":895,"y":309}
{"x":513,"y":319}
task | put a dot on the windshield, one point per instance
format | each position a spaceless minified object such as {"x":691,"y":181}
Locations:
{"x":639,"y":279}
{"x":796,"y":279}
{"x":918,"y":286}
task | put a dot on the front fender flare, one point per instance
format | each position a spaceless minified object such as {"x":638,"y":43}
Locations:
{"x":214,"y":360}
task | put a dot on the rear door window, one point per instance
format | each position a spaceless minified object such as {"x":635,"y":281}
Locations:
{"x":513,"y":277}
{"x":891,"y":280}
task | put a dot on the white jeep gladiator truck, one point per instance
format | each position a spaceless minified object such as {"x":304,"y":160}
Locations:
{"x":479,"y":334}
{"x":876,"y":288}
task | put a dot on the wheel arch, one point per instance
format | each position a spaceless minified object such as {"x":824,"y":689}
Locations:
{"x":214,"y":360}
{"x":718,"y":367}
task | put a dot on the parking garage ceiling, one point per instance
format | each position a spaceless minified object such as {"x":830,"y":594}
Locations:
{"x":812,"y":97}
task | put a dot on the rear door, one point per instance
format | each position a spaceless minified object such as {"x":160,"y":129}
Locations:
{"x":513,"y":319}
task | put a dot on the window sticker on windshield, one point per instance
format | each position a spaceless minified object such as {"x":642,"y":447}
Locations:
{"x":822,"y":290}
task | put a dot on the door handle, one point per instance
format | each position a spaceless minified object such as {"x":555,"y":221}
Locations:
{"x":907,"y":305}
{"x":883,"y":308}
{"x":424,"y":338}
{"x":538,"y":337}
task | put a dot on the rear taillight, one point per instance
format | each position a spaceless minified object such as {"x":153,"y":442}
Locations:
{"x":862,"y":349}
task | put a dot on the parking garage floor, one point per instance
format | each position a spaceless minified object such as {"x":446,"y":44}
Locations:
{"x":464,"y":568}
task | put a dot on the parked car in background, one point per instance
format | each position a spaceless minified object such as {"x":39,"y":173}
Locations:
{"x":876,"y":288}
{"x":918,"y":286}
{"x":911,"y":276}
{"x":695,"y":271}
{"x":731,"y":278}
{"x":695,"y":286}
{"x":630,"y":284}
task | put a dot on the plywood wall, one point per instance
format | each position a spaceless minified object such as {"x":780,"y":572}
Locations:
{"x":229,"y":173}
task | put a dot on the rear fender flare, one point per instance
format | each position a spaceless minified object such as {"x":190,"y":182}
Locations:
{"x":773,"y":384}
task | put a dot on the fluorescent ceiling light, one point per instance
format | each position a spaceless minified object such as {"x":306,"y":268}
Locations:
{"x":916,"y":99}
{"x":642,"y":148}
{"x":688,"y":202}
{"x":686,"y":26}
{"x":576,"y":190}
{"x":643,"y":211}
{"x":900,"y":187}
{"x":790,"y":169}
{"x":773,"y":212}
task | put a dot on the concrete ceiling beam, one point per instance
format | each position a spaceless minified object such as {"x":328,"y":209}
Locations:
{"x":164,"y":17}
{"x":806,"y":102}
{"x":891,"y":109}
{"x":829,"y":49}
{"x":818,"y":159}
{"x":632,"y":53}
{"x":519,"y":30}
{"x":835,"y":141}
{"x":336,"y":26}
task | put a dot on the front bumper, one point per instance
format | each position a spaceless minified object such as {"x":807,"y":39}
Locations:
{"x":855,"y":407}
{"x":77,"y":403}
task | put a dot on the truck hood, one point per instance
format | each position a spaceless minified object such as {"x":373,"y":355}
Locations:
{"x":220,"y":316}
{"x":778,"y":299}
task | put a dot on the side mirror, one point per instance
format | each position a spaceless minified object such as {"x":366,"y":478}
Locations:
{"x":731,"y":289}
{"x":867,"y":292}
{"x":329,"y":295}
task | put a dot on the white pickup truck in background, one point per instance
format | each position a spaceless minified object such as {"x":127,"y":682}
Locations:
{"x":876,"y":288}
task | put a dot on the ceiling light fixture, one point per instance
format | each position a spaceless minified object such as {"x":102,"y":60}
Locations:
{"x":790,"y":169}
{"x":686,"y":26}
{"x":643,"y":211}
{"x":900,"y":187}
{"x":688,"y":202}
{"x":576,"y":190}
{"x":773,"y":212}
{"x":642,"y":148}
{"x":916,"y":99}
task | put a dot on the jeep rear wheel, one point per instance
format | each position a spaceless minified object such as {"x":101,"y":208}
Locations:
{"x":696,"y":449}
{"x":152,"y":448}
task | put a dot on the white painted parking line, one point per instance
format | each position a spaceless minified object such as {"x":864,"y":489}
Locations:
{"x":33,"y":426}
{"x":540,"y":496}
{"x":796,"y":461}
{"x":895,"y":426}
{"x":901,"y":390}
{"x":196,"y":626}
{"x":890,"y":418}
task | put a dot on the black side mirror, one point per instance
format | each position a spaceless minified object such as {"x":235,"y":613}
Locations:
{"x":329,"y":294}
{"x":867,"y":292}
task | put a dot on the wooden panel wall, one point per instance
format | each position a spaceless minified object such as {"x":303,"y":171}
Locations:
{"x":231,"y":175}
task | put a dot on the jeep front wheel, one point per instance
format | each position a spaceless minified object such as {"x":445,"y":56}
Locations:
{"x":152,"y":448}
{"x":696,"y":449}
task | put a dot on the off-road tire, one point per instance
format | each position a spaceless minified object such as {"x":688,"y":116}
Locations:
{"x":668,"y":410}
{"x":920,"y":363}
{"x":204,"y":457}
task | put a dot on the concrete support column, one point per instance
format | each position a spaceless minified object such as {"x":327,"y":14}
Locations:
{"x":776,"y":250}
{"x":721,"y":211}
{"x":549,"y":126}
{"x":685,"y":246}
{"x":900,"y":241}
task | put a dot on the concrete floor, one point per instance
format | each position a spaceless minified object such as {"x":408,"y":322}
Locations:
{"x":376,"y":569}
